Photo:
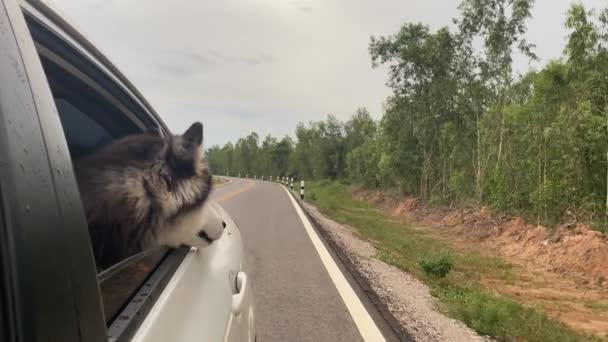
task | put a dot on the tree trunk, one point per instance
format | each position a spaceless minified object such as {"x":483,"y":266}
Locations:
{"x":444,"y":180}
{"x":501,"y":137}
{"x":545,"y":181}
{"x":478,"y":162}
{"x":424,"y":178}
{"x":501,"y":108}
{"x":540,"y":184}
{"x":606,"y":114}
{"x":422,"y":175}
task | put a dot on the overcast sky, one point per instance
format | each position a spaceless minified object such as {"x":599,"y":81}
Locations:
{"x":265,"y":65}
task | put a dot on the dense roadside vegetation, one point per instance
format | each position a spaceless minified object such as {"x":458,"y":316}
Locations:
{"x":457,"y":286}
{"x":461,"y":127}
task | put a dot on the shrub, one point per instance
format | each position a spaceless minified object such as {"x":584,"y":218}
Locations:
{"x":312,"y":196}
{"x":438,"y":267}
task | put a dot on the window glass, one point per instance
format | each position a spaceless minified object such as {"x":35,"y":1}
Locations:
{"x":81,"y":132}
{"x":118,"y":289}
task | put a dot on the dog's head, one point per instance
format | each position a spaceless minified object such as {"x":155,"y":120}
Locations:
{"x":165,"y":164}
{"x":180,"y":156}
{"x":185,"y":152}
{"x":188,"y":180}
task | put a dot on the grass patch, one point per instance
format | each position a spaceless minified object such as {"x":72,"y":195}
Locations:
{"x":454,"y":277}
{"x":501,"y":317}
{"x":438,"y":267}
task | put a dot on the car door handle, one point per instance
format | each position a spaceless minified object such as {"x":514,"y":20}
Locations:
{"x":241,"y":291}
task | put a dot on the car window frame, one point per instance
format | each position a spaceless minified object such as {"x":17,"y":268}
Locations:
{"x":61,"y":50}
{"x":46,"y":261}
{"x":124,"y":327}
{"x":8,"y":303}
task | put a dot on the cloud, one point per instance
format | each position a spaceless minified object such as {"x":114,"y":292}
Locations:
{"x":183,"y":64}
{"x":199,"y":58}
{"x":212,"y":58}
{"x":302,"y":5}
{"x":243,"y":65}
{"x":173,"y":70}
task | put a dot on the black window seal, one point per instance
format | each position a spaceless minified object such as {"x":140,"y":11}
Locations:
{"x":132,"y":316}
{"x":9,"y":325}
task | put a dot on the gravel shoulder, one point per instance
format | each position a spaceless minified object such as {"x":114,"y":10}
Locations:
{"x":405,"y":302}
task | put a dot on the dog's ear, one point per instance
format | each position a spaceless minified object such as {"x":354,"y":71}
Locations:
{"x":185,"y":153}
{"x":194,"y":134}
{"x":153,"y":131}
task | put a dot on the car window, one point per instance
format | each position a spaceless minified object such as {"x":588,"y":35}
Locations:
{"x":81,"y":132}
{"x":89,"y":121}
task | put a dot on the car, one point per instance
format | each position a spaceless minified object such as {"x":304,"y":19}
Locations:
{"x":60,"y":98}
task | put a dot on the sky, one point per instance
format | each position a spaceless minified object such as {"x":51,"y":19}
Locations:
{"x":240,"y":66}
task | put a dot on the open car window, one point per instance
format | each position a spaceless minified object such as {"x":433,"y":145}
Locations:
{"x":89,"y":121}
{"x":94,"y":111}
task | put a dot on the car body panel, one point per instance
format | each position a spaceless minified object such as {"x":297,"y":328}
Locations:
{"x":197,"y":301}
{"x":241,"y":326}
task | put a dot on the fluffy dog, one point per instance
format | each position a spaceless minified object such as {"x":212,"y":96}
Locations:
{"x":145,"y":191}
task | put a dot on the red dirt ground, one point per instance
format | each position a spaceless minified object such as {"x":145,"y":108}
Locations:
{"x":562,"y":270}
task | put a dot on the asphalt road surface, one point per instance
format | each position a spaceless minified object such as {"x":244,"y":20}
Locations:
{"x":300,"y":294}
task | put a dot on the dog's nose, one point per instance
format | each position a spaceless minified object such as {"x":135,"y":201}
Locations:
{"x":203,"y":235}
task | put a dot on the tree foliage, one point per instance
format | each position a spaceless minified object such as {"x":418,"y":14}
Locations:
{"x":460,"y":126}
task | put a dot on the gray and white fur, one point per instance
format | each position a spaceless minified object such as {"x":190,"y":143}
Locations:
{"x":144,"y":191}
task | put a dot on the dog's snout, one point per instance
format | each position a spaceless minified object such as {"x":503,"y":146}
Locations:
{"x":203,"y":235}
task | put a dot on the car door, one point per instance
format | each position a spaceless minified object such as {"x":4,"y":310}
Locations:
{"x":70,"y":100}
{"x":241,"y":325}
{"x":49,"y":287}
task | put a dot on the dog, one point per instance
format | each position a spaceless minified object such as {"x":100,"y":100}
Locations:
{"x":145,"y":191}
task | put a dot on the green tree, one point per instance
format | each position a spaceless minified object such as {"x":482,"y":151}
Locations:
{"x":500,"y":24}
{"x":422,"y":77}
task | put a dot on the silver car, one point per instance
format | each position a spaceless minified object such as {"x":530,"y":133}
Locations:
{"x":60,"y":98}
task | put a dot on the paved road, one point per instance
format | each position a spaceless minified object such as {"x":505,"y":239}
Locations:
{"x":296,"y":298}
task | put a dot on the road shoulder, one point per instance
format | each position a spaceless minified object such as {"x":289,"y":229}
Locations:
{"x":403,"y":302}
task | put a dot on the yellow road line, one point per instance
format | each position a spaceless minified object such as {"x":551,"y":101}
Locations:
{"x":239,"y":191}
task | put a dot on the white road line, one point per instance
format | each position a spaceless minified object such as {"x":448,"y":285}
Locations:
{"x":366,"y":325}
